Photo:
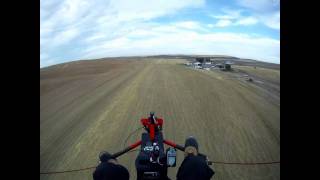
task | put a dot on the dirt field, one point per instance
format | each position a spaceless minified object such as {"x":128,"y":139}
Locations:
{"x":90,"y":106}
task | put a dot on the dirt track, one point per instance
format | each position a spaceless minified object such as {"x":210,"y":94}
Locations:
{"x":90,"y":106}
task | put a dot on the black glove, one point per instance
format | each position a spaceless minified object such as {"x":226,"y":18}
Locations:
{"x":105,"y":156}
{"x":205,"y":158}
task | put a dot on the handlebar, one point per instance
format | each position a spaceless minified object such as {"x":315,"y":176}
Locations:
{"x":172,"y":144}
{"x":115,"y":155}
{"x":167,"y":142}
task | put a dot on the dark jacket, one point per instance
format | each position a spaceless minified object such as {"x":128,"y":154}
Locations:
{"x":194,"y":168}
{"x":110,"y":171}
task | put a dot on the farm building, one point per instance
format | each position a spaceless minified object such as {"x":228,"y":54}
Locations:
{"x":196,"y":63}
{"x":227,"y":67}
{"x":219,"y":65}
{"x":206,"y":66}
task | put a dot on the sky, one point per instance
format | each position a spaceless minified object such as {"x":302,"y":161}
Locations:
{"x":88,"y":29}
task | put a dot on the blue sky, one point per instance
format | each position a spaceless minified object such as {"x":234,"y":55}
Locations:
{"x":86,"y":29}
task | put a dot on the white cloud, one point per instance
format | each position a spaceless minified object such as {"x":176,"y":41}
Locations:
{"x":64,"y":21}
{"x":233,"y":17}
{"x":272,"y":20}
{"x":247,"y":21}
{"x":239,"y":21}
{"x":223,"y":17}
{"x":100,"y":28}
{"x":168,"y":40}
{"x":64,"y":37}
{"x":143,"y":9}
{"x":188,"y":24}
{"x":267,"y":11}
{"x":260,"y":5}
{"x":223,"y":23}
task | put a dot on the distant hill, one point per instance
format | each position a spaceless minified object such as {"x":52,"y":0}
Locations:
{"x":222,"y":59}
{"x":215,"y":58}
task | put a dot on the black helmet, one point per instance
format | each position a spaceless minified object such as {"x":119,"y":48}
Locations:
{"x":191,"y":141}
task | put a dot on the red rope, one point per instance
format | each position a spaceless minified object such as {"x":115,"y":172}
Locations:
{"x":253,"y":163}
{"x":74,"y":170}
{"x":57,"y":172}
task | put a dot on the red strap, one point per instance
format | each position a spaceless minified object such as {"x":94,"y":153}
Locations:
{"x":172,"y":144}
{"x":159,"y":122}
{"x":144,"y":122}
{"x":152,"y":131}
{"x":138,"y":143}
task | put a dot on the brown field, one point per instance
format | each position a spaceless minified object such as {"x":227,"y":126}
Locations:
{"x":90,"y":106}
